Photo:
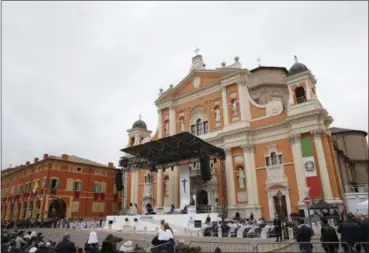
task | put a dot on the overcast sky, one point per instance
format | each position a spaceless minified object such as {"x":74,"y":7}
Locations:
{"x":76,"y":75}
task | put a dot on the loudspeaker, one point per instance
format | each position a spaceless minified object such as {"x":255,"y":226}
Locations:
{"x":205,"y":168}
{"x":119,"y":181}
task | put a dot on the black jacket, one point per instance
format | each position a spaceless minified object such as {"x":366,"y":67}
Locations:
{"x":277,"y":224}
{"x":304,"y":234}
{"x":91,"y":248}
{"x":65,"y":246}
{"x":364,"y":230}
{"x":350,"y":232}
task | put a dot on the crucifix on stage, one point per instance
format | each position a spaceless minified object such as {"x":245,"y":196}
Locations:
{"x":184,"y":184}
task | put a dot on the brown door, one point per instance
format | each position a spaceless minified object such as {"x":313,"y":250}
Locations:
{"x":280,"y":207}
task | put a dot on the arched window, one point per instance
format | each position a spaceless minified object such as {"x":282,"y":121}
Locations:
{"x":300,"y":95}
{"x":199,"y":127}
{"x":148,"y":178}
{"x":273,"y":157}
{"x":242,"y":178}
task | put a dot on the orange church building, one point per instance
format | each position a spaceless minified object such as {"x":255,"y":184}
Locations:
{"x":272,"y":126}
{"x":67,"y":187}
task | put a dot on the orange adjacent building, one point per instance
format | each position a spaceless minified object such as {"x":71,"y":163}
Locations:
{"x":66,"y":186}
{"x":270,"y":122}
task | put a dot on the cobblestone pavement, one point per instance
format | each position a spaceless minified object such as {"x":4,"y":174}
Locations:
{"x":207,"y":244}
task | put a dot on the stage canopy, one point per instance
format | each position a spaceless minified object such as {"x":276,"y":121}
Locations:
{"x":169,"y":151}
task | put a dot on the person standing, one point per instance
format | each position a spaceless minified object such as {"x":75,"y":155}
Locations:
{"x":350,"y":233}
{"x":66,"y":245}
{"x":251,"y":216}
{"x":364,"y":233}
{"x":278,"y":228}
{"x":329,"y":236}
{"x":304,"y":234}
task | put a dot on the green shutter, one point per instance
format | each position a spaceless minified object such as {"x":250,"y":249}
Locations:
{"x":307,"y":147}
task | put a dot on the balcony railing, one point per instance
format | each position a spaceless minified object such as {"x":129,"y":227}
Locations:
{"x":360,"y":188}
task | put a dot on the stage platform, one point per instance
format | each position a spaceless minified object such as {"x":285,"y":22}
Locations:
{"x":151,"y":223}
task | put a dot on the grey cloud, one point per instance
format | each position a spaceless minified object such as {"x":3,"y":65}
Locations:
{"x":77,"y":74}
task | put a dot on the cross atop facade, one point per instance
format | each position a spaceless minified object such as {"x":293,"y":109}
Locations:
{"x":197,"y":51}
{"x":140,"y":116}
{"x":296,"y":60}
{"x":258,"y":60}
{"x":184,"y":181}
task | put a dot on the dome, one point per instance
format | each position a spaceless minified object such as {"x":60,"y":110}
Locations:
{"x":297,"y":68}
{"x":139,"y":124}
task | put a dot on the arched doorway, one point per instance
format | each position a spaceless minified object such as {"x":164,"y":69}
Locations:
{"x":57,"y":209}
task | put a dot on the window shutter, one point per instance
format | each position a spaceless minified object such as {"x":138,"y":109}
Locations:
{"x":81,"y":186}
{"x":115,"y":189}
{"x":103,"y":186}
{"x":102,"y":207}
{"x":57,"y":183}
{"x":70,"y":183}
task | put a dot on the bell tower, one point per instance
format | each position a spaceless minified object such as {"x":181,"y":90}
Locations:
{"x":138,"y":134}
{"x":301,"y":89}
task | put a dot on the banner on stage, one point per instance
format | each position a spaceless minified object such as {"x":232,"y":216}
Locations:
{"x":185,"y":185}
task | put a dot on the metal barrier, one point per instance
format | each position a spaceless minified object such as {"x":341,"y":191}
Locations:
{"x":163,"y":248}
{"x":210,"y":246}
{"x":362,"y":247}
{"x":295,"y":247}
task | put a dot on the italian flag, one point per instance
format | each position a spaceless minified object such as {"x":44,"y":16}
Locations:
{"x":310,"y":169}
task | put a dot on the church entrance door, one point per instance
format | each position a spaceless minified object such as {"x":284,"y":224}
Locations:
{"x":202,"y":204}
{"x":280,"y":206}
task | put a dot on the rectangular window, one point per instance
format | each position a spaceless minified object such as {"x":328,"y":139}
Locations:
{"x":75,"y":206}
{"x":101,"y":207}
{"x":77,"y":186}
{"x":193,"y":129}
{"x":95,"y":207}
{"x":97,"y":188}
{"x":280,"y":158}
{"x":56,"y":166}
{"x":267,"y":161}
{"x":54,"y":183}
{"x":206,"y":127}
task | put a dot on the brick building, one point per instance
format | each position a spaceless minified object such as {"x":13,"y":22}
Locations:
{"x":66,"y":186}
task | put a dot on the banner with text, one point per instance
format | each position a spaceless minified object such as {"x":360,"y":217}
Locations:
{"x":185,"y":185}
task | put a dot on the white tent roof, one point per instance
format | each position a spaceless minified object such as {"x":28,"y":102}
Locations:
{"x":365,"y":203}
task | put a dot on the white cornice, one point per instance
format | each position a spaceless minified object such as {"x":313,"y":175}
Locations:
{"x":301,"y":77}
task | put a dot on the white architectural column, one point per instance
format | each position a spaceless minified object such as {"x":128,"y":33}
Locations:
{"x":160,"y":127}
{"x":172,"y":121}
{"x":133,"y":187}
{"x":326,"y":184}
{"x":231,"y":190}
{"x":244,"y":100}
{"x":175,"y":187}
{"x":252,"y":186}
{"x":249,"y":183}
{"x":290,"y":95}
{"x":307,"y":90}
{"x":159,"y":188}
{"x":299,"y":170}
{"x":225,"y":106}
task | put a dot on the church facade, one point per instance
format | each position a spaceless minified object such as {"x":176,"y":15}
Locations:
{"x":272,"y":126}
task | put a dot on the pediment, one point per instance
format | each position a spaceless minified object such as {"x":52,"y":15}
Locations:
{"x":195,"y":80}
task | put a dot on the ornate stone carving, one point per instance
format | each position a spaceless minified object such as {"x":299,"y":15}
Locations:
{"x":275,"y":175}
{"x":217,"y":114}
{"x":182,"y":123}
{"x":228,"y":151}
{"x":248,"y":148}
{"x":294,"y":138}
{"x":234,"y":107}
{"x":274,"y":108}
{"x":317,"y":133}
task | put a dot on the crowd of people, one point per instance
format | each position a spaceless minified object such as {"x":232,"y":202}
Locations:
{"x":73,"y":223}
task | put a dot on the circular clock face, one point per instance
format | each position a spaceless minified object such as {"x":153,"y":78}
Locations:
{"x":196,"y":82}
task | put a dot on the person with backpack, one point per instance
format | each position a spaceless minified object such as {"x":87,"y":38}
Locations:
{"x":329,"y":238}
